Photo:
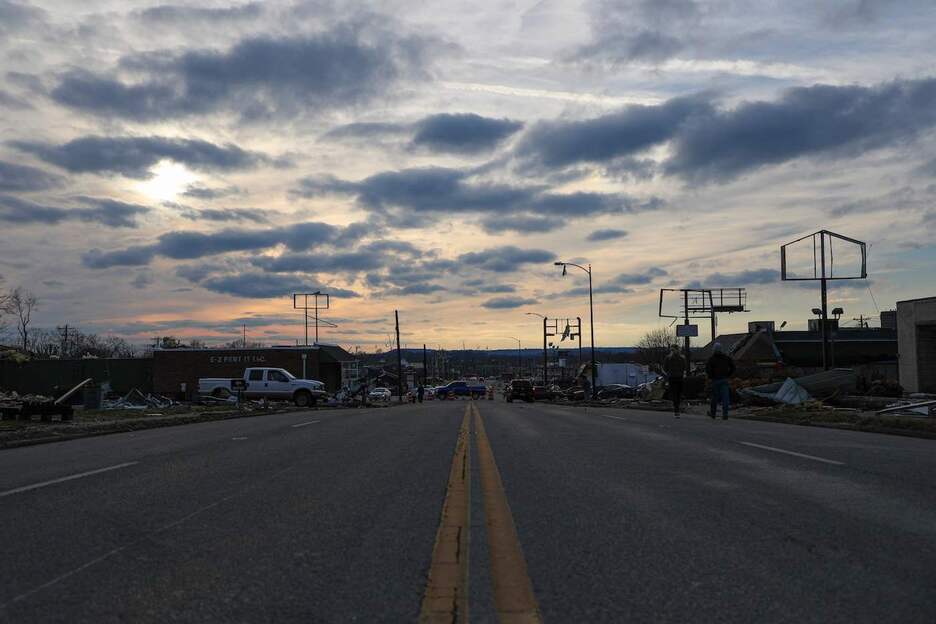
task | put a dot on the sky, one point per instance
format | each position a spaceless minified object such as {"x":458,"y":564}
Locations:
{"x":184,"y":168}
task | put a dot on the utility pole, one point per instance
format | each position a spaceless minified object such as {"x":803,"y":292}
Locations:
{"x":64,"y":347}
{"x":824,"y":308}
{"x":399,"y":356}
{"x":245,"y":335}
{"x":545,"y":357}
{"x":425,"y":366}
{"x":686,"y":322}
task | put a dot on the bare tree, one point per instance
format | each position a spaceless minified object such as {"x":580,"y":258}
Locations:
{"x":4,"y":308}
{"x":22,"y":303}
{"x":654,"y":346}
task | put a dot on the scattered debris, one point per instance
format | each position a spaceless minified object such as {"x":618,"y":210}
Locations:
{"x":136,"y":400}
{"x":33,"y":407}
{"x":822,"y":386}
{"x":922,"y":408}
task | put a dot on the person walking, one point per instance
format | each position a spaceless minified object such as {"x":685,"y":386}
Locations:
{"x":719,"y":368}
{"x":674,"y":367}
{"x":420,"y":391}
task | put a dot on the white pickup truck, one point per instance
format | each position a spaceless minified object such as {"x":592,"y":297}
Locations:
{"x":272,"y":383}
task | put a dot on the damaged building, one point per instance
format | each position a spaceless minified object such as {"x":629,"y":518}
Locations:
{"x":871,"y":351}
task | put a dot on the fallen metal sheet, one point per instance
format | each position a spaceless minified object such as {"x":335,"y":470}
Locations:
{"x":907,"y":407}
{"x":791,"y":393}
{"x":72,"y":391}
{"x":820,"y":385}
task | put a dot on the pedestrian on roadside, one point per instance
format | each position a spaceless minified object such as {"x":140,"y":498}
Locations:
{"x":719,"y":368}
{"x":420,"y":391}
{"x":674,"y":367}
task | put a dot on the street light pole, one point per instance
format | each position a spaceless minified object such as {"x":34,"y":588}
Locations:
{"x":519,"y":358}
{"x":591,"y":316}
{"x":545,"y":352}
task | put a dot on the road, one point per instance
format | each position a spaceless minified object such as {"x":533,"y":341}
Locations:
{"x":553,"y":513}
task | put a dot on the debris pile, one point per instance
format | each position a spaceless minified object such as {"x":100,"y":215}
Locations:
{"x":136,"y":400}
{"x":821,"y":386}
{"x":34,"y":407}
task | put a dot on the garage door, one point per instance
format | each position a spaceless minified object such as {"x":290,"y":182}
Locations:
{"x":926,"y":357}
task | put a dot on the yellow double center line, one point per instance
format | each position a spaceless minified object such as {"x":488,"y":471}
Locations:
{"x":446,"y":596}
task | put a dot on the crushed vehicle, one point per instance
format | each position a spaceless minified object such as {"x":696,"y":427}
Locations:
{"x":269,"y":383}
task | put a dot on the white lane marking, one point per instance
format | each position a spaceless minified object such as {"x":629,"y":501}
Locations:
{"x":311,"y":422}
{"x":36,"y":486}
{"x":614,"y":417}
{"x":115,"y":551}
{"x":794,"y":453}
{"x":240,"y":438}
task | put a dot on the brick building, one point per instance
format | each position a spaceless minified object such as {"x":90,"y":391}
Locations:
{"x":176,"y":371}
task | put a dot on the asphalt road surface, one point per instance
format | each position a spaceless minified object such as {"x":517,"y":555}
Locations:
{"x":551,"y":513}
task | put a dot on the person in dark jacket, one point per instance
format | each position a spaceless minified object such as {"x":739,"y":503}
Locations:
{"x":719,"y":368}
{"x":420,"y":392}
{"x":674,"y":367}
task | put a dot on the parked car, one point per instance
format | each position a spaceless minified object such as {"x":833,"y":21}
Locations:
{"x":519,"y":389}
{"x":617,"y":391}
{"x":461,"y":388}
{"x":379,"y":394}
{"x":270,"y":383}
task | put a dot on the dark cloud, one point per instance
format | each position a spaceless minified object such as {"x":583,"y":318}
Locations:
{"x":138,"y":255}
{"x":497,"y":288}
{"x":603,"y":139}
{"x":367,"y":130}
{"x":134,"y":156}
{"x":522,"y":224}
{"x":361,"y":260}
{"x":708,"y":144}
{"x":256,"y":285}
{"x":252,"y":215}
{"x":643,"y":45}
{"x":650,"y":31}
{"x":197,"y":191}
{"x":505,"y":259}
{"x":8,"y":100}
{"x":742,"y":278}
{"x":17,"y":16}
{"x":412,"y":289}
{"x":171,"y":15}
{"x":186,"y":245}
{"x":815,"y":121}
{"x":107,"y":212}
{"x":412,"y":194}
{"x":506,"y":303}
{"x":621,"y":283}
{"x":462,"y":133}
{"x":23,"y":178}
{"x":257,"y":77}
{"x":606,"y":234}
{"x":459,"y":133}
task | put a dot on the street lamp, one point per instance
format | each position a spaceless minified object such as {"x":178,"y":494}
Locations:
{"x":591,"y":317}
{"x":519,"y":358}
{"x":545,"y":354}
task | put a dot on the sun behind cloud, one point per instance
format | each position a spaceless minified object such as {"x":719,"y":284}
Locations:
{"x":168,"y":181}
